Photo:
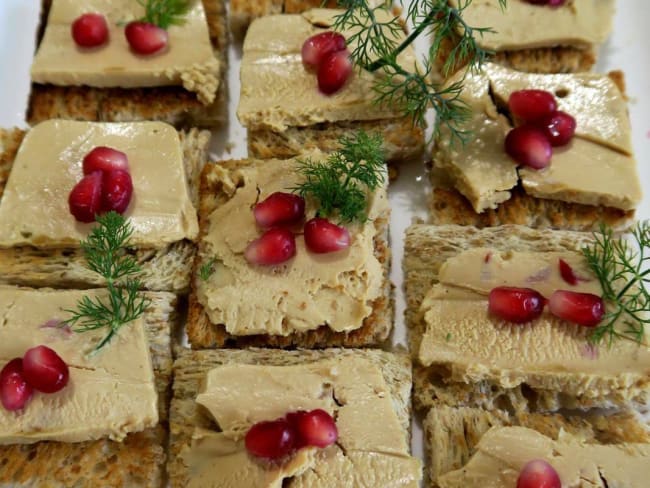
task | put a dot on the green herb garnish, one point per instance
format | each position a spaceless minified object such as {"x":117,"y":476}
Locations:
{"x":342,"y":182}
{"x":376,"y":49}
{"x":164,"y":13}
{"x":105,"y":254}
{"x":206,"y":269}
{"x":623,"y":270}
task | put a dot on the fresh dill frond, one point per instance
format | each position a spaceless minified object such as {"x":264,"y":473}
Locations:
{"x":164,"y":13}
{"x":206,"y":269}
{"x":623,"y":270}
{"x":105,"y":253}
{"x":341,"y":183}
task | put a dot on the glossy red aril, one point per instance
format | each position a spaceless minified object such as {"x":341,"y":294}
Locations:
{"x":322,"y":236}
{"x":90,"y":30}
{"x":315,"y":428}
{"x":518,"y":305}
{"x":117,"y":191}
{"x":275,"y":246}
{"x":567,"y":273}
{"x":584,"y":309}
{"x":105,"y":159}
{"x":85,"y":198}
{"x":531,"y":105}
{"x":318,"y":47}
{"x":271,"y":440}
{"x":44,"y":369}
{"x":334,"y":71}
{"x":538,"y":474}
{"x":15,"y":391}
{"x":279,"y":208}
{"x":145,"y":38}
{"x":529,"y":146}
{"x":558,"y":127}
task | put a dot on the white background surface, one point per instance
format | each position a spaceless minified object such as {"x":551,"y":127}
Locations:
{"x":628,"y":49}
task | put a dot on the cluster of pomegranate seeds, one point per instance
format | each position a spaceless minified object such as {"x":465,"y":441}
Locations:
{"x":90,"y":30}
{"x":106,"y":186}
{"x":276,"y":439}
{"x":327,"y":54}
{"x":41,"y":369}
{"x":538,"y":474}
{"x":277,"y":213}
{"x":541,"y":127}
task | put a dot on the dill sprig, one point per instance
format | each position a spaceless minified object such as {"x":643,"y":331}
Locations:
{"x":164,"y":13}
{"x":206,"y":269}
{"x":412,"y":89}
{"x":341,"y":183}
{"x":623,"y":270}
{"x":104,"y":251}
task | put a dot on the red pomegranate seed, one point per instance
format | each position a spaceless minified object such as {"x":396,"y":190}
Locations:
{"x":118,"y":189}
{"x":15,"y":392}
{"x":318,"y":47}
{"x":584,"y":309}
{"x":529,"y":146}
{"x":567,"y":273}
{"x":279,"y":208}
{"x":538,"y":474}
{"x":275,"y":246}
{"x":531,"y":105}
{"x":85,"y":198}
{"x":271,"y":440}
{"x":105,"y":159}
{"x":89,"y":30}
{"x":334,"y":71}
{"x":518,"y":305}
{"x":145,"y":38}
{"x":315,"y":428}
{"x":558,"y":127}
{"x":322,"y":236}
{"x":45,"y":370}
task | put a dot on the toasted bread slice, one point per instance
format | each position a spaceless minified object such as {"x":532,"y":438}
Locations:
{"x":426,"y":249}
{"x":165,"y":269}
{"x":138,"y":461}
{"x":174,"y":105}
{"x":215,"y":190}
{"x":191,"y":368}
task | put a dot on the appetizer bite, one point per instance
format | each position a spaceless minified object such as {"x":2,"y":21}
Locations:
{"x":294,"y":252}
{"x":259,"y":417}
{"x":128,"y":60}
{"x":299,"y":91}
{"x":539,"y":150}
{"x":62,"y":175}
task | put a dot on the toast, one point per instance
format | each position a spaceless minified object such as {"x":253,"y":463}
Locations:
{"x":138,"y":461}
{"x":174,"y":105}
{"x":442,"y":383}
{"x":166,"y":268}
{"x":192,"y":366}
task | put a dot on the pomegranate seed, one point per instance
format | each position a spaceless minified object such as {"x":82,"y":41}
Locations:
{"x":334,"y":71}
{"x":538,"y":474}
{"x":322,"y":236}
{"x":44,"y":369}
{"x":279,"y":209}
{"x":85,"y":198}
{"x":584,"y":309}
{"x":567,"y":273}
{"x":145,"y":38}
{"x":275,"y":246}
{"x":90,"y":30}
{"x":271,"y":440}
{"x":531,"y":105}
{"x":318,"y":47}
{"x":15,"y":392}
{"x":529,"y":146}
{"x":518,"y":305}
{"x":118,"y":189}
{"x":105,"y":159}
{"x":315,"y":428}
{"x":558,"y":127}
